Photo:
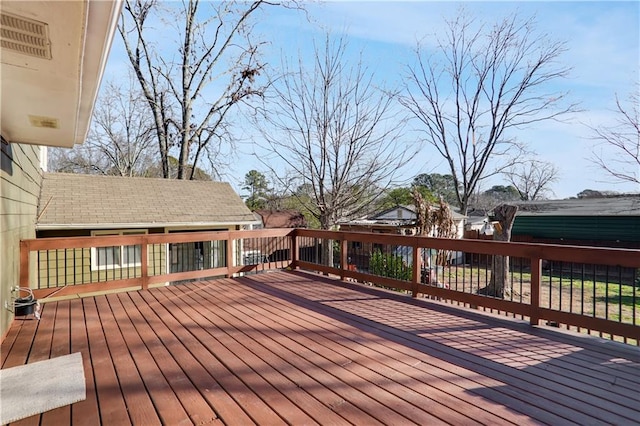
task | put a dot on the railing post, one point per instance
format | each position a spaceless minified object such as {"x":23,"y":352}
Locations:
{"x":24,"y":264}
{"x":295,"y":256}
{"x":343,"y":258}
{"x":144,"y":258}
{"x":536,"y":274}
{"x":417,"y":269}
{"x":229,"y":256}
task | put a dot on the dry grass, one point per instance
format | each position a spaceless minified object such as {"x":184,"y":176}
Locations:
{"x":594,"y":297}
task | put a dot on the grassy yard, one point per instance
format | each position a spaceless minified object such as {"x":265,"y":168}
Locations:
{"x":595,"y":297}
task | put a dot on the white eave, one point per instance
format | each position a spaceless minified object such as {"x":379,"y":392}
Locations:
{"x":49,"y":100}
{"x":93,"y":226}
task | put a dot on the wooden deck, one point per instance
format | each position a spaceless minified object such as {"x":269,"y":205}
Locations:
{"x":295,"y":348}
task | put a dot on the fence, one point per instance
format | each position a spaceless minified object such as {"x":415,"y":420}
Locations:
{"x":596,"y":290}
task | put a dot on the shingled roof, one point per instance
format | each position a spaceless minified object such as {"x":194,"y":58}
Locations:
{"x":616,"y":205}
{"x":74,"y":201}
{"x":282,"y":218}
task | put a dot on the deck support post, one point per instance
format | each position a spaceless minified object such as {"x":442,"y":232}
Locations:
{"x":417,"y":269}
{"x":295,"y":256}
{"x":229,"y":256}
{"x":144,"y":259}
{"x":24,"y":263}
{"x":343,"y":258}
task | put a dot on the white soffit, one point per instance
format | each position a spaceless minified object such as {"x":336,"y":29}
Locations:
{"x":52,"y":58}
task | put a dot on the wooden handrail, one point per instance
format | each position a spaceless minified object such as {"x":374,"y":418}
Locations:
{"x":143,"y":240}
{"x":534,"y":252}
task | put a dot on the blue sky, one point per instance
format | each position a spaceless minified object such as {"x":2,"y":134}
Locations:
{"x":603,"y":40}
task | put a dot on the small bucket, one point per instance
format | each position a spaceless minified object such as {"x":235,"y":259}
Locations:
{"x":25,"y":305}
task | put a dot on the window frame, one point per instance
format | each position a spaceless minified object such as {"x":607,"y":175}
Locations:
{"x":121,"y":249}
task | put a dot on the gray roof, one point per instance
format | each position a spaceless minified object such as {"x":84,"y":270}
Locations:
{"x":621,"y":205}
{"x":390,"y":217}
{"x":94,"y":202}
{"x":412,"y":209}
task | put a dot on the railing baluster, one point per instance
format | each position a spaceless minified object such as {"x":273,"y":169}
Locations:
{"x":560,"y":304}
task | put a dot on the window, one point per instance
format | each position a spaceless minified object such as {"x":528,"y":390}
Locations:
{"x":116,"y":256}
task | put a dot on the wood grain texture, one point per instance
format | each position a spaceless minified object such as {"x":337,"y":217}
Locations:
{"x":298,"y":348}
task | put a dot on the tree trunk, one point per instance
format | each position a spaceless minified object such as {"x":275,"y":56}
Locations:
{"x":499,"y":284}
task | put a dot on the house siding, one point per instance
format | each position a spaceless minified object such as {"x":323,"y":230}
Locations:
{"x":69,"y":267}
{"x":73,"y":266}
{"x":619,"y":231}
{"x":57,"y":268}
{"x":20,"y":182}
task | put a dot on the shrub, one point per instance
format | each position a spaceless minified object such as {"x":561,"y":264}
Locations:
{"x":389,"y":265}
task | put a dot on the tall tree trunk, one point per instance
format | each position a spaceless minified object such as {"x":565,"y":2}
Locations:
{"x":499,"y":283}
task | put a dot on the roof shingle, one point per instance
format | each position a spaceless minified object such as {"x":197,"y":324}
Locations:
{"x":74,"y":200}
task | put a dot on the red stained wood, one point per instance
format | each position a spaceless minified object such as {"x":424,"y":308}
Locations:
{"x":113,"y":409}
{"x":60,"y":346}
{"x":192,"y":403}
{"x":84,"y":412}
{"x":191,"y":357}
{"x":134,"y":388}
{"x":295,"y":348}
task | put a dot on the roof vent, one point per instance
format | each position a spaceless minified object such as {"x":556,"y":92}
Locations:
{"x":26,"y":36}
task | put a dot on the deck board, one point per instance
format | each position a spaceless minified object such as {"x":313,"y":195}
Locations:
{"x":84,"y":412}
{"x":134,"y":388}
{"x":208,"y":373}
{"x":191,"y":403}
{"x":409,"y":388}
{"x":113,"y":409}
{"x":60,"y":345}
{"x":26,"y":340}
{"x":451,"y":372}
{"x":164,"y":400}
{"x":393,"y":364}
{"x":296,"y":348}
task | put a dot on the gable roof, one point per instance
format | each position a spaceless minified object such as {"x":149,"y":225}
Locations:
{"x":389,"y":217}
{"x":619,"y":205}
{"x":408,"y":213}
{"x":282,"y":218}
{"x":75,"y":201}
{"x":391,"y":213}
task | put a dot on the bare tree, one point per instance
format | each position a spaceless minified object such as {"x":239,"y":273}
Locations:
{"x":479,"y":84}
{"x":120,"y":141}
{"x":336,"y":130}
{"x":500,"y":283}
{"x":532,"y":178}
{"x":619,"y":155}
{"x":212,"y":45}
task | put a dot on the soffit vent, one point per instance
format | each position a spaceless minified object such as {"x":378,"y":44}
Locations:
{"x":26,"y":36}
{"x":44,"y":122}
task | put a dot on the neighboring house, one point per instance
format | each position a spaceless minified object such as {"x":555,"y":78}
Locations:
{"x":273,"y":249}
{"x":396,"y":220}
{"x":478,"y":225}
{"x":74,"y":205}
{"x":611,"y":221}
{"x":281,"y":218}
{"x":53,"y":57}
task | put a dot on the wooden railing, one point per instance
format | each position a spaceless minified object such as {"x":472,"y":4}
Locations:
{"x":57,"y":267}
{"x":585,"y":288}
